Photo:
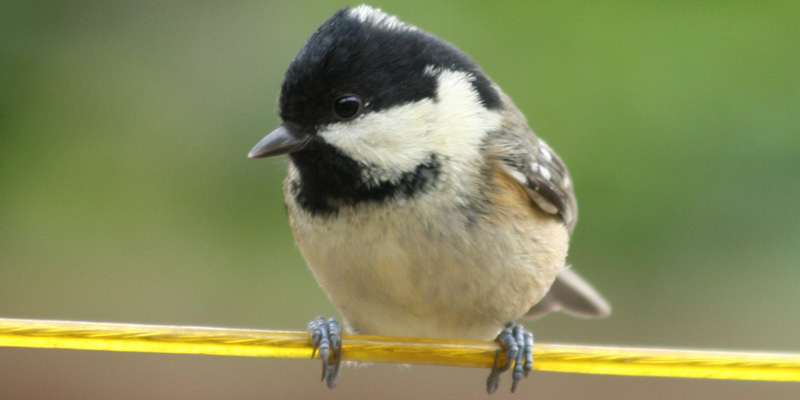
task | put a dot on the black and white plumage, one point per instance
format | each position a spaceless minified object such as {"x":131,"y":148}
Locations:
{"x":417,"y":193}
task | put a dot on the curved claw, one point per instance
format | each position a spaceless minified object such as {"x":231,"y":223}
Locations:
{"x":518,"y":362}
{"x":493,"y":382}
{"x":528,"y":346}
{"x":326,"y":340}
{"x":517,"y":345}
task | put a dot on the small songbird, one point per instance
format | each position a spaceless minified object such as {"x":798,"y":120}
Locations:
{"x":419,"y":197}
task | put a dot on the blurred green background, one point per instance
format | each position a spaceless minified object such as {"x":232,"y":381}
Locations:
{"x":126,"y":196}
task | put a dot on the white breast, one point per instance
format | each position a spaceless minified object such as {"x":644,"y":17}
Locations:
{"x":421,"y":267}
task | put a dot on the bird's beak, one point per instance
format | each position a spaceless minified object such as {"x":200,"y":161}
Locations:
{"x":280,"y":141}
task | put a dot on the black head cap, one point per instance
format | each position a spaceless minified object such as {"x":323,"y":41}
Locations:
{"x":364,"y":52}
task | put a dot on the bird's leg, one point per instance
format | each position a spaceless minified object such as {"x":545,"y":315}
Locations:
{"x":326,"y":340}
{"x":517,"y":344}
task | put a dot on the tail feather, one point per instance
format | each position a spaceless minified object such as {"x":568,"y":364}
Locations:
{"x":573,"y":295}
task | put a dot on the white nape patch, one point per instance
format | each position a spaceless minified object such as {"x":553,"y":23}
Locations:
{"x":398,"y":139}
{"x":431,"y":70}
{"x":378,"y":18}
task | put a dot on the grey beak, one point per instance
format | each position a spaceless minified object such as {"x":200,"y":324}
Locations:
{"x":280,"y":141}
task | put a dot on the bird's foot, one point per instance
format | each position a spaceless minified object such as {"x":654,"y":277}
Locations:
{"x":517,"y":345}
{"x":327,"y":342}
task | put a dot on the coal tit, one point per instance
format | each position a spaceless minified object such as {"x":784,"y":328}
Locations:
{"x":419,"y":197}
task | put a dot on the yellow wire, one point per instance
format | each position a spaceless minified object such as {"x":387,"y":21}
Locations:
{"x":461,"y":353}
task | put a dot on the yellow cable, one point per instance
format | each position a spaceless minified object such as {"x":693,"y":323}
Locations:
{"x":461,"y":353}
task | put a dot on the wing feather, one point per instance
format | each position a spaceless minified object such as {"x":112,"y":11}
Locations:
{"x":532,"y":163}
{"x":547,"y":181}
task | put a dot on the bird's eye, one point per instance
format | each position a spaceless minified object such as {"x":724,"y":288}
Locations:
{"x":347,"y":106}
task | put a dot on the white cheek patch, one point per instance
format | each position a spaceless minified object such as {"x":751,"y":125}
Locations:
{"x":462,"y":121}
{"x":400,"y":138}
{"x":392,"y":140}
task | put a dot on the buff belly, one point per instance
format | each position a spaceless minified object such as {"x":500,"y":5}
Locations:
{"x":427,"y":270}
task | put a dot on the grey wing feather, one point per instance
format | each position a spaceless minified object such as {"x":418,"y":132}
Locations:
{"x":535,"y":165}
{"x":548,"y":182}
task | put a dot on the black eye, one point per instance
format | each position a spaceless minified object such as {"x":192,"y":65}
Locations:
{"x":347,"y":106}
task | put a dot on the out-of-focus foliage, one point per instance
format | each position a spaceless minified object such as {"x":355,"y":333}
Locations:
{"x":125,"y":193}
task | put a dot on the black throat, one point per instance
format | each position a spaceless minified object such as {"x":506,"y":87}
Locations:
{"x":330,"y":180}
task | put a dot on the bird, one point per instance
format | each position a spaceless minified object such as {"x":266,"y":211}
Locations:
{"x":418,"y":195}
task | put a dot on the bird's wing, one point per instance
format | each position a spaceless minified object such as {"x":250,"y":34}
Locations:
{"x":547,"y":181}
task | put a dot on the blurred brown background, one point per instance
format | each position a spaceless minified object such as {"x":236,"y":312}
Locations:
{"x":126,"y":196}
